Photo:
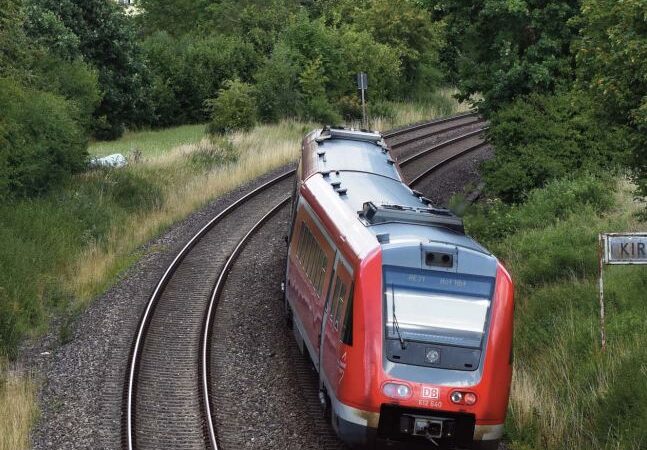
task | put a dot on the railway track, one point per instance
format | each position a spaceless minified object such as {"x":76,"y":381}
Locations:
{"x":170,"y":400}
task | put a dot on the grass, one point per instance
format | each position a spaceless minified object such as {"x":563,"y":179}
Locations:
{"x":17,"y":398}
{"x":567,"y":393}
{"x":61,"y":250}
{"x":149,"y":142}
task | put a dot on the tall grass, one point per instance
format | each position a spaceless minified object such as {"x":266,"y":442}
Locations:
{"x":567,"y":393}
{"x":17,"y":401}
{"x":150,"y":142}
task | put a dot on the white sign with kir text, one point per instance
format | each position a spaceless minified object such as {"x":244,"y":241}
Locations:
{"x":625,"y":248}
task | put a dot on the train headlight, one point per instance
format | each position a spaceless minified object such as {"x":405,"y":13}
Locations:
{"x":432,"y":356}
{"x":463,"y":398}
{"x":456,"y":397}
{"x":469,"y":398}
{"x":396,"y":390}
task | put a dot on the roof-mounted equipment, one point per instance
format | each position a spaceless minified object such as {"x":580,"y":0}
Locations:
{"x":329,"y":133}
{"x":375,"y":214}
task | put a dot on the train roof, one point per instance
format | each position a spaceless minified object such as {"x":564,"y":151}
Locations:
{"x":357,"y":168}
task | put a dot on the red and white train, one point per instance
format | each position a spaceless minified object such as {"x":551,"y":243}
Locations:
{"x":407,"y":320}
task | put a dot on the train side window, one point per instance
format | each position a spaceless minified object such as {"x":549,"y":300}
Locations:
{"x":313,"y":258}
{"x":347,"y":330}
{"x":321,"y":272}
{"x":307,"y":263}
{"x":300,"y":243}
{"x":339,"y":299}
{"x":333,"y":299}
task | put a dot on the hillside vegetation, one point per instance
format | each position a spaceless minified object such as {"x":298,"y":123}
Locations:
{"x":567,"y":393}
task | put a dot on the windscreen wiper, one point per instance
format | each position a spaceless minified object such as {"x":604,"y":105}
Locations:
{"x":396,"y":325}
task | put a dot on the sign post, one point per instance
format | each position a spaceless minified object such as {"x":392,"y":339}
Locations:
{"x":618,"y":249}
{"x":362,"y":86}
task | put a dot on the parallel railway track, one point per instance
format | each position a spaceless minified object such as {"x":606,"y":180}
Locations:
{"x":168,"y":399}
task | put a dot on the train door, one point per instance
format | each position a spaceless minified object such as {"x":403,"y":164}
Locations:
{"x":336,"y":325}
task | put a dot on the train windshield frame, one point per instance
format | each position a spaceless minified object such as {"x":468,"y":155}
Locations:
{"x":434,"y":307}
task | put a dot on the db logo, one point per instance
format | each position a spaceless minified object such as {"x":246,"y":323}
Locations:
{"x":430,"y":392}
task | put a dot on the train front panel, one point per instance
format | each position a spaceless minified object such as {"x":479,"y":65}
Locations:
{"x":431,"y":360}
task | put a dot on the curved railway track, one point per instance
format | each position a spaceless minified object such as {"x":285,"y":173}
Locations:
{"x":168,"y":396}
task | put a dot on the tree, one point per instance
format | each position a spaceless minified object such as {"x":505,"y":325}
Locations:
{"x":233,"y":110}
{"x":539,"y":138}
{"x":40,"y":142}
{"x":508,"y":48}
{"x":316,"y":106}
{"x":612,"y":63}
{"x":176,"y":17}
{"x":108,"y":41}
{"x":12,"y":39}
{"x":406,"y":27}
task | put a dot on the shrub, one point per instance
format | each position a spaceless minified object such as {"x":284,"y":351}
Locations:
{"x":132,"y":191}
{"x":42,"y":143}
{"x":277,"y":84}
{"x":381,"y":109}
{"x":350,"y":107}
{"x":189,"y":70}
{"x":316,"y":106}
{"x":234,"y":109}
{"x":108,"y":40}
{"x":213,"y":152}
{"x":541,"y":138}
{"x":543,"y":207}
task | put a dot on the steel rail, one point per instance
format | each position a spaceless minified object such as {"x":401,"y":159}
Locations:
{"x":445,"y":161}
{"x":444,"y":144}
{"x":435,"y":133}
{"x":207,"y":326}
{"x":150,"y":306}
{"x":423,"y":125}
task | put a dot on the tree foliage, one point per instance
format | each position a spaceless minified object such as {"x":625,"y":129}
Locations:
{"x":40,"y":142}
{"x":539,"y":138}
{"x":612,"y":63}
{"x":506,"y":48}
{"x":233,"y":109}
{"x":186,"y":71}
{"x":108,"y":41}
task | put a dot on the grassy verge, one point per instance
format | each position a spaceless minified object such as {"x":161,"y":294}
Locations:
{"x":150,"y":143}
{"x":61,"y":250}
{"x":567,"y":393}
{"x":17,"y":399}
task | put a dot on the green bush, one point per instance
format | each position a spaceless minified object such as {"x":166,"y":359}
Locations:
{"x":132,"y":191}
{"x":217,"y":152}
{"x":108,"y":40}
{"x":549,"y":244}
{"x":189,"y":70}
{"x":41,"y":142}
{"x":277,"y":84}
{"x":316,"y":106}
{"x":543,"y":207}
{"x":350,"y":107}
{"x":611,"y":60}
{"x":382,"y":109}
{"x":541,"y":138}
{"x":233,"y":110}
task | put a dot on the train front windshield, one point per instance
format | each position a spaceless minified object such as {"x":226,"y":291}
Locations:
{"x":436,"y":307}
